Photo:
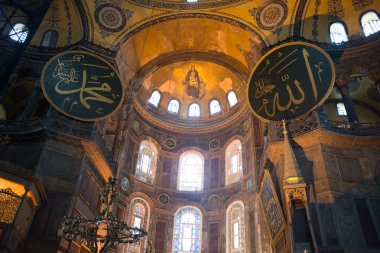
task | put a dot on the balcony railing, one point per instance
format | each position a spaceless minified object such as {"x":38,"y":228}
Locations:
{"x":58,"y":123}
{"x":314,"y":122}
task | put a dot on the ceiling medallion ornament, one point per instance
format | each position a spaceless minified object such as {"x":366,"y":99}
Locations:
{"x":214,"y":144}
{"x":249,"y":185}
{"x":164,"y":198}
{"x":111,"y":18}
{"x":271,"y":15}
{"x":135,"y":126}
{"x":170,"y":143}
{"x":82,"y":85}
{"x":213,"y":200}
{"x":124,"y":184}
{"x":246,"y":125}
{"x":185,"y":5}
{"x":290,"y":81}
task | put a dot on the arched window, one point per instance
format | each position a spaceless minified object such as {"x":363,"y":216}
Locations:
{"x":173,"y":106}
{"x":19,"y":32}
{"x":338,"y":33}
{"x":49,"y":39}
{"x":235,"y":228}
{"x":234,"y":159}
{"x":232,"y":98}
{"x":370,"y":23}
{"x":215,"y":107}
{"x":341,"y":109}
{"x":194,"y":110}
{"x":146,"y":162}
{"x":190,"y":171}
{"x":187,"y":236}
{"x":155,"y":98}
{"x":139,"y":218}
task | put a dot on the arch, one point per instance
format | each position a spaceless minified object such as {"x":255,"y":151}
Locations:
{"x":49,"y":38}
{"x":139,"y":213}
{"x":234,"y":162}
{"x":155,"y":98}
{"x":232,"y":98}
{"x":19,"y":32}
{"x":370,"y":23}
{"x":146,"y":162}
{"x":235,"y":228}
{"x":338,"y":33}
{"x":173,"y":106}
{"x":215,"y":107}
{"x":194,"y":110}
{"x":190,"y":171}
{"x":187,"y":231}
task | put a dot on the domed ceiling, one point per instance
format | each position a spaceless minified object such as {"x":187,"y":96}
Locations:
{"x":174,"y":81}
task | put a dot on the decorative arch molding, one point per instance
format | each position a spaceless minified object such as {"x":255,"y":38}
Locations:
{"x":145,"y":23}
{"x":84,"y":20}
{"x":143,"y":196}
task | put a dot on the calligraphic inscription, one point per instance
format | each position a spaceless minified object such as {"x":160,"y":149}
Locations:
{"x":271,"y":206}
{"x":290,"y":81}
{"x":82,"y":85}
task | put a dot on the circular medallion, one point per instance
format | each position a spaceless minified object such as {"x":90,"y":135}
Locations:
{"x":170,"y":143}
{"x":290,"y":81}
{"x":82,"y":85}
{"x":163,"y":198}
{"x":124,"y":184}
{"x":110,"y":18}
{"x":271,"y":15}
{"x":213,"y":200}
{"x":135,"y":126}
{"x":214,"y":144}
{"x":249,"y":185}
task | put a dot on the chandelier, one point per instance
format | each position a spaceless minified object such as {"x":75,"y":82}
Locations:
{"x":103,"y":231}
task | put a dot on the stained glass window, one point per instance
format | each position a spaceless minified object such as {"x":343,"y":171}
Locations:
{"x":194,"y":110}
{"x":232,"y":98}
{"x":215,"y":107}
{"x":19,"y":32}
{"x":49,"y":39}
{"x":146,"y":162}
{"x":173,"y":106}
{"x":155,"y":98}
{"x":235,"y":228}
{"x":190,"y":171}
{"x":370,"y":23}
{"x":234,"y":167}
{"x":138,"y":217}
{"x":187,"y":231}
{"x":338,"y":33}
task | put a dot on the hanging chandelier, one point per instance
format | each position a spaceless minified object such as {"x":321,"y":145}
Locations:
{"x":104,"y":231}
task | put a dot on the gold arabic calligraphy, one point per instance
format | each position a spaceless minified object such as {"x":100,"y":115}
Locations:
{"x":66,"y":73}
{"x":264,"y":87}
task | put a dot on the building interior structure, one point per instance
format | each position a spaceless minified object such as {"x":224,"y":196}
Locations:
{"x":190,"y":158}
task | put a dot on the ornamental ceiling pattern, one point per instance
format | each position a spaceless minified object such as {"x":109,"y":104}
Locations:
{"x":184,"y":5}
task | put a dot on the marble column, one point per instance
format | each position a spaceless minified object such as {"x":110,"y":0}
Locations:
{"x":32,"y":103}
{"x":348,"y":104}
